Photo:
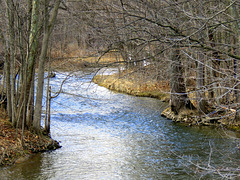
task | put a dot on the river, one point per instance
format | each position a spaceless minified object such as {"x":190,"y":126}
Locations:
{"x":108,"y":135}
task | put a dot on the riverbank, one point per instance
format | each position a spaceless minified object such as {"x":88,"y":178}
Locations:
{"x":224,"y":119}
{"x":13,"y":150}
{"x":134,"y":84}
{"x":74,"y":63}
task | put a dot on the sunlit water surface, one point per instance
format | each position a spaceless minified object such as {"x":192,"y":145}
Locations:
{"x":107,"y":135}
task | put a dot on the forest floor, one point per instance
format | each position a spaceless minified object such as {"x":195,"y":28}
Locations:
{"x":13,"y":150}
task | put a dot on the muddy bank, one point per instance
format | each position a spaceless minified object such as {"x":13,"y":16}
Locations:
{"x":15,"y":148}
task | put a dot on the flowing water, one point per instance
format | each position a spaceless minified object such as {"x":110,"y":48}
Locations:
{"x":107,"y":135}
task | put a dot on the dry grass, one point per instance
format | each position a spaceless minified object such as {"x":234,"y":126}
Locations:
{"x":134,"y":84}
{"x":73,"y":54}
{"x":76,"y":63}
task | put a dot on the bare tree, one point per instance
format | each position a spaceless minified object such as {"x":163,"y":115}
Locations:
{"x":21,"y":38}
{"x":39,"y":95}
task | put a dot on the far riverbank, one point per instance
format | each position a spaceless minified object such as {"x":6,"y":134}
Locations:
{"x":139,"y":84}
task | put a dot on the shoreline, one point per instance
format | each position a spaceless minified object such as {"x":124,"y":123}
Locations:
{"x":124,"y":85}
{"x":136,"y":84}
{"x":132,"y":86}
{"x":12,"y":150}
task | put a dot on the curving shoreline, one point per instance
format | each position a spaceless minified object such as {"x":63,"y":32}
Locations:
{"x":129,"y":86}
{"x":160,"y":90}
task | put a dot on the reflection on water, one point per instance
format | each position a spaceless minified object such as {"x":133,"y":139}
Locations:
{"x":106,"y":135}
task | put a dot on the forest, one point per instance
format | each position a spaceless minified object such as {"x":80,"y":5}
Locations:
{"x":192,"y":47}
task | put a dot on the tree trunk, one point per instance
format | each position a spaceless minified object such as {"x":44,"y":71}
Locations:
{"x":202,"y":103}
{"x":39,"y":95}
{"x":10,"y":12}
{"x":236,"y":27}
{"x":179,"y":99}
{"x":7,"y":77}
